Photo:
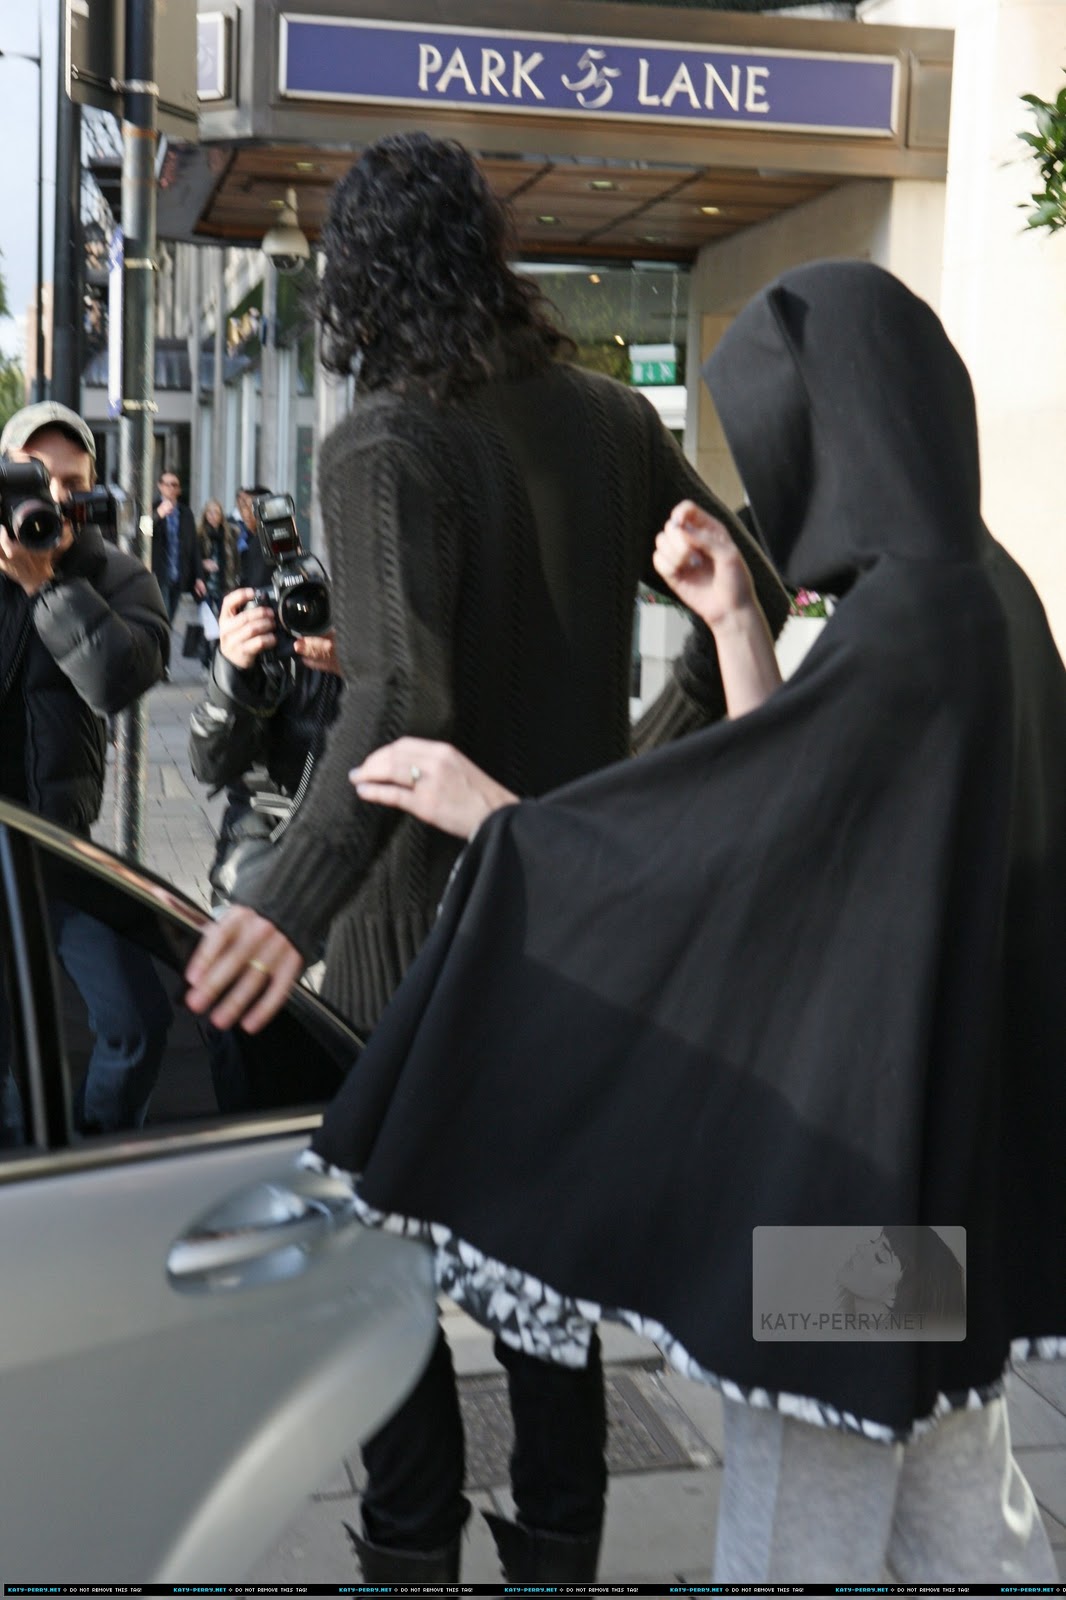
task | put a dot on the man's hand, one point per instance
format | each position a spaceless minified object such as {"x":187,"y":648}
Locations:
{"x":243,"y":970}
{"x":243,"y":634}
{"x":31,"y":569}
{"x":431,"y":781}
{"x":165,"y":507}
{"x":319,"y":650}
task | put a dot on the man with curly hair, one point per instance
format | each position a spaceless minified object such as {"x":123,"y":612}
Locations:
{"x":490,"y":510}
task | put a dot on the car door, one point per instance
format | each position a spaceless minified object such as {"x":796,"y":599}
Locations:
{"x":194,"y":1331}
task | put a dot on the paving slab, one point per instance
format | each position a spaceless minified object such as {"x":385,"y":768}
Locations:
{"x":1047,"y":1479}
{"x":1047,"y":1378}
{"x":314,"y":1547}
{"x":702,"y":1408}
{"x":1056,"y":1530}
{"x":659,"y":1527}
{"x":1033,"y":1418}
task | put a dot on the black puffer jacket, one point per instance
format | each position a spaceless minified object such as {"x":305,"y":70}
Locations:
{"x":258,"y":734}
{"x":86,"y":646}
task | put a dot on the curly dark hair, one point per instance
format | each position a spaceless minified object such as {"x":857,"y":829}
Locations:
{"x":417,"y":287}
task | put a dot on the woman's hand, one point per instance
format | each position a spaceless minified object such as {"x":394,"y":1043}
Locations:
{"x":696,"y":556}
{"x":433,"y":782}
{"x":243,"y":970}
{"x":700,"y":562}
{"x":244,"y":634}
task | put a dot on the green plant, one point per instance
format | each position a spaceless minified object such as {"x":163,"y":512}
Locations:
{"x":12,"y":388}
{"x":1049,"y":147}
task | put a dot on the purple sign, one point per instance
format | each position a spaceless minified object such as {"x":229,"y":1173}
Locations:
{"x":404,"y":63}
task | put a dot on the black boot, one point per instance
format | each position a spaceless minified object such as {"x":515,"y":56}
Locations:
{"x":532,"y":1555}
{"x":381,"y":1565}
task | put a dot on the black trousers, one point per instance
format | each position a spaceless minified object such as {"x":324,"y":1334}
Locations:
{"x":415,"y":1465}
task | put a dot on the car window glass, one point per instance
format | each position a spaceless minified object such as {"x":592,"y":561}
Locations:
{"x":134,"y":1055}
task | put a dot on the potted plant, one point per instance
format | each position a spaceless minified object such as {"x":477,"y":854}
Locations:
{"x":1048,"y":144}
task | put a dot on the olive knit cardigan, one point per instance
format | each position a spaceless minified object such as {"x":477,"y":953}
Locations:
{"x":485,"y":556}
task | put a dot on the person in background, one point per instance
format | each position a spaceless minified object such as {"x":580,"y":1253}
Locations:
{"x":176,"y":558}
{"x":83,"y":633}
{"x":490,"y":509}
{"x":218,"y":557}
{"x":261,"y":711}
{"x":218,"y":554}
{"x":253,"y":568}
{"x":258,"y":733}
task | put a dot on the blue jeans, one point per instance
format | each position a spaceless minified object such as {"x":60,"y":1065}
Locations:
{"x":172,"y":592}
{"x":129,"y":1015}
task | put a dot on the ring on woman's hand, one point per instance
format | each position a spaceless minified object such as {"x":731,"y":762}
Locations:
{"x":416,"y":773}
{"x":258,"y":966}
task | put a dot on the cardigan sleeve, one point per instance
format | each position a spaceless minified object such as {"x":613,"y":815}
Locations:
{"x":393,"y":544}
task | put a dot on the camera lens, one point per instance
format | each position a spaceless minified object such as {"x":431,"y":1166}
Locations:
{"x":36,"y":524}
{"x":305,"y":609}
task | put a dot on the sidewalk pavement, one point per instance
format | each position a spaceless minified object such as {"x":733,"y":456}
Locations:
{"x":665,"y":1446}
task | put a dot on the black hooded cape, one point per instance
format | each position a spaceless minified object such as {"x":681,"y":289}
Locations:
{"x":807,"y":967}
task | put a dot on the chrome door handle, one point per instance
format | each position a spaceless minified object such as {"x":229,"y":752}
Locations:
{"x":261,"y":1234}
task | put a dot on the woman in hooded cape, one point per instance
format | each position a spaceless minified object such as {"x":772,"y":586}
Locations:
{"x":801,"y":970}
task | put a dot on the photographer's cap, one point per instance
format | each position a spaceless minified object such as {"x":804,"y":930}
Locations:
{"x":24,"y":424}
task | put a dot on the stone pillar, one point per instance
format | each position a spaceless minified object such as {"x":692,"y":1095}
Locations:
{"x":1004,"y":290}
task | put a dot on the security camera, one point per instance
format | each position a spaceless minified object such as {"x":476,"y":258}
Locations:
{"x":286,"y":243}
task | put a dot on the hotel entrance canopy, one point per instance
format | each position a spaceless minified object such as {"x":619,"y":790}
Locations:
{"x":614,"y":130}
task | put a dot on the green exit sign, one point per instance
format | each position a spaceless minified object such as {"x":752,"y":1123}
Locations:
{"x":651,"y":364}
{"x":649,"y":372}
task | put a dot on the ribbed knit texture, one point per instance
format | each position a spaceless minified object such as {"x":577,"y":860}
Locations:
{"x":485,"y":558}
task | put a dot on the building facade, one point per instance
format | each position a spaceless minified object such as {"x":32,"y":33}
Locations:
{"x":663,"y":163}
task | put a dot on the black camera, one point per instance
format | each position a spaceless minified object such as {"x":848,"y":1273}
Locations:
{"x":31,"y":516}
{"x":299,"y":589}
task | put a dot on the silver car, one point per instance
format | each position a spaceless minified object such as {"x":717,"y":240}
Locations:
{"x":194,"y":1331}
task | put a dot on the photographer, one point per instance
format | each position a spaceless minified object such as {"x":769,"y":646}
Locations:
{"x":83,"y":633}
{"x":261,"y":710}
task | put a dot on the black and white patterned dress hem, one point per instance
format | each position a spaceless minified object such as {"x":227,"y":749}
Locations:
{"x":530,"y":1316}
